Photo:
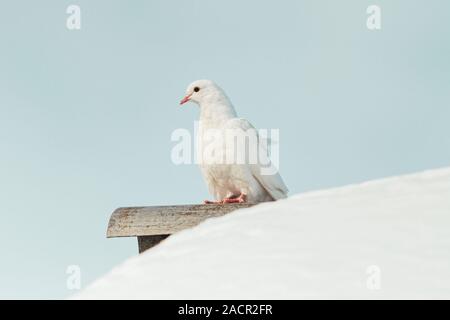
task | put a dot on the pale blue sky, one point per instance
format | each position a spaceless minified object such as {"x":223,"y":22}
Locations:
{"x":86,"y":116}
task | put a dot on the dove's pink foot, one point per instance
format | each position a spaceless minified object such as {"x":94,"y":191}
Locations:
{"x":241,"y":199}
{"x":235,"y":200}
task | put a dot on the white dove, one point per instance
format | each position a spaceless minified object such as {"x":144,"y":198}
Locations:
{"x":228,"y":182}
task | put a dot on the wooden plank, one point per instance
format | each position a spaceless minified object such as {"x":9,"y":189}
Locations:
{"x":164,"y":220}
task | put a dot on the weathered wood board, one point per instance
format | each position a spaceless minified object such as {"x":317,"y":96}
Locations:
{"x":153,"y":224}
{"x":158,"y":220}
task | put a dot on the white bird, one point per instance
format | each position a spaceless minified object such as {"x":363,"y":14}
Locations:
{"x":228,"y":182}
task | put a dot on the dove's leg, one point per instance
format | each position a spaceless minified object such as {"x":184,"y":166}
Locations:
{"x":242,"y":198}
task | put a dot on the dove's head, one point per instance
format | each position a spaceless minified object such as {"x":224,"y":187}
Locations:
{"x":212,"y":100}
{"x":203,"y":91}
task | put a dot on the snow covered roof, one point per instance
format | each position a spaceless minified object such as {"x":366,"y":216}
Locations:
{"x":388,"y":238}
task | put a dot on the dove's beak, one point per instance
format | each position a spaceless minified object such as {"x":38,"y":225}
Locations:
{"x":185,"y":99}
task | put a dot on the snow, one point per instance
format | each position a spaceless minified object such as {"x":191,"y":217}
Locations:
{"x":383,"y":239}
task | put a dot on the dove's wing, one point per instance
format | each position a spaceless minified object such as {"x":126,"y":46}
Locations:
{"x":272,"y":183}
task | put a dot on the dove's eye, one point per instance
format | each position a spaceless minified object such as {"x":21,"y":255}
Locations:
{"x":196,"y":89}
